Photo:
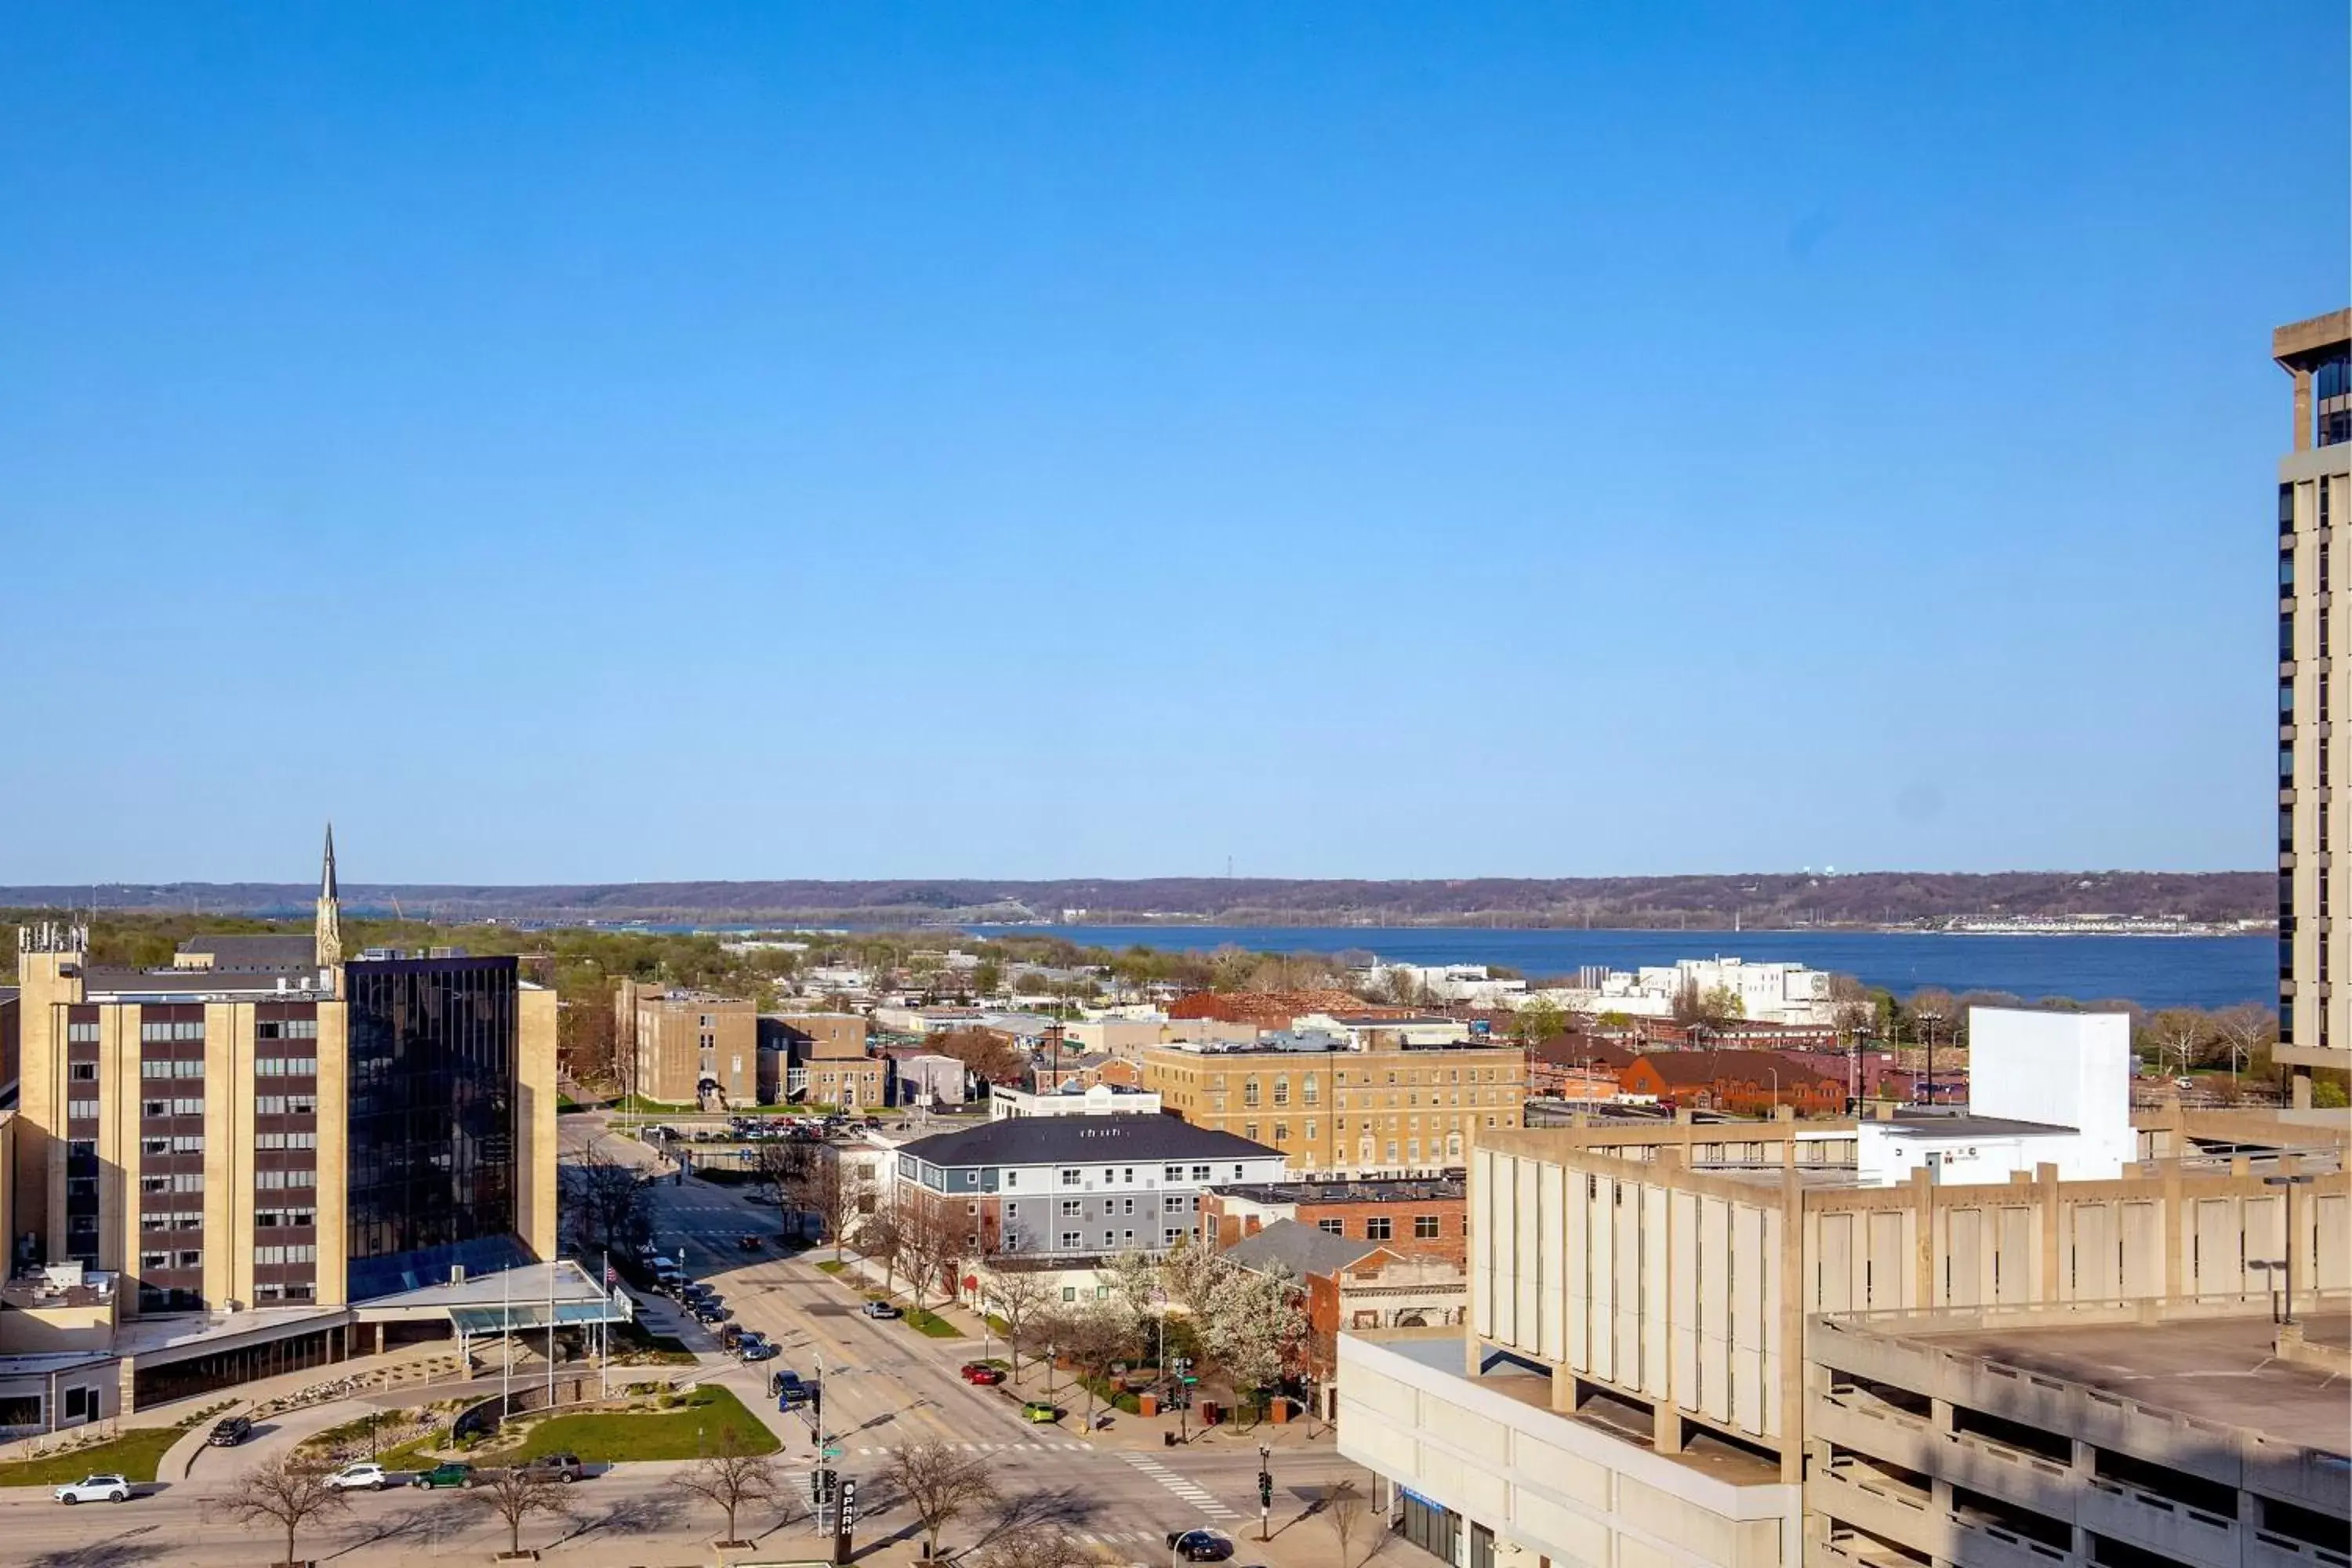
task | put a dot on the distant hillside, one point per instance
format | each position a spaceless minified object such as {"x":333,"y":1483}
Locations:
{"x":1869,"y":898}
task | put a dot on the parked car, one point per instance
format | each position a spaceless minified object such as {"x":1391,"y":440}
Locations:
{"x":562,"y":1468}
{"x":980,"y":1374}
{"x":104,"y":1487}
{"x":364,"y":1476}
{"x":1040,"y":1411}
{"x":448,"y":1474}
{"x":230,"y":1430}
{"x":882,"y":1309}
{"x":709,"y":1311}
{"x":1201,"y":1546}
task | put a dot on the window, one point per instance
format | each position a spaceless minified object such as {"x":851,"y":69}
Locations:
{"x":1109,"y":1241}
{"x":1282,"y":1091}
{"x":1392,"y":1151}
{"x":1071,"y":1242}
{"x":1308,"y":1091}
{"x":1069,"y":1292}
{"x":1127,"y":1174}
{"x":1249,"y":1094}
{"x":1424,"y":1227}
{"x":1310,"y":1132}
{"x":1073,"y":1208}
{"x":1169,"y":1237}
{"x":1126,"y":1206}
{"x":1249,"y":1130}
{"x":82,"y":1034}
{"x":155,"y":1145}
{"x":154,"y":1108}
{"x":1377,"y":1229}
{"x":1200,"y":1173}
{"x":1332,"y":1227}
{"x":1172,"y":1173}
{"x":189,"y":1258}
{"x":1070,"y":1178}
{"x":81,"y":1108}
{"x":153,"y":1260}
{"x":82,"y":1072}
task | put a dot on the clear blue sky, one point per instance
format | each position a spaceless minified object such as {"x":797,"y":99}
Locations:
{"x":597,"y":442}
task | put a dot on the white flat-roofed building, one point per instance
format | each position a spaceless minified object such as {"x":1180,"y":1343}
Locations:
{"x":1100,"y":1099}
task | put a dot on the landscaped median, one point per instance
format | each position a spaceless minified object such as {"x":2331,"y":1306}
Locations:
{"x":651,"y":1422}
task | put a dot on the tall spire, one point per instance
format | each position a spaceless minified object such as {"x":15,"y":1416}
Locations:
{"x":329,"y":930}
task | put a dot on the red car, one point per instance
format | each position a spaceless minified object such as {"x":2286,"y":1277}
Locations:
{"x":980,"y":1374}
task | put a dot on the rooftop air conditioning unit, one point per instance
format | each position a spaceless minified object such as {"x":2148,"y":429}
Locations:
{"x":456,"y":1273}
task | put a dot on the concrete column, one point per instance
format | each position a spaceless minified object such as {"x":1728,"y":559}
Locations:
{"x":1939,"y":1414}
{"x":1666,"y":1427}
{"x":2301,"y":411}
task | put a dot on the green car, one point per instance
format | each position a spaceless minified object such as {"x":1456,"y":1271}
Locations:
{"x":450,"y":1475}
{"x":1039,"y":1410}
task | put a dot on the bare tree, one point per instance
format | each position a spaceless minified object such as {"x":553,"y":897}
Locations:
{"x":2180,"y":1034}
{"x":1021,"y":1298}
{"x":516,"y":1492}
{"x":733,"y":1478}
{"x":1092,"y":1338}
{"x":937,"y":1237}
{"x":940,"y":1484}
{"x":608,"y":1201}
{"x":2247,"y":1030}
{"x":1343,"y":1510}
{"x":835,"y":1192}
{"x":286,"y":1492}
{"x":781,"y":1166}
{"x":883,"y":1238}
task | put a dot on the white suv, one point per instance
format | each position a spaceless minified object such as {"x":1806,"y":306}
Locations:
{"x":94,"y":1489}
{"x":365,"y":1475}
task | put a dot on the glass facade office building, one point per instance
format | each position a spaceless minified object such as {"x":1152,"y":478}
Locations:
{"x":431,"y":1177}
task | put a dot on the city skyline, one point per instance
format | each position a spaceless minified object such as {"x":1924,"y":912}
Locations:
{"x":750,"y":445}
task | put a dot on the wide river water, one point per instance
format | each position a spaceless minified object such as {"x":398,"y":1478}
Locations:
{"x":2153,"y":971}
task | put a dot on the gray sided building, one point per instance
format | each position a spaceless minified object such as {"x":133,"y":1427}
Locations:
{"x":1076,"y":1187}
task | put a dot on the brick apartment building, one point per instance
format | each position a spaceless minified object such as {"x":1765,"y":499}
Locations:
{"x":1746,"y":1083}
{"x":1411,"y":1218}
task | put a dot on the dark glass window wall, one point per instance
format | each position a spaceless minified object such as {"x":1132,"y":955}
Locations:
{"x":431,"y":1177}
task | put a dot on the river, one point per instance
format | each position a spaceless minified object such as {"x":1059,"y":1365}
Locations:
{"x":2153,"y":971}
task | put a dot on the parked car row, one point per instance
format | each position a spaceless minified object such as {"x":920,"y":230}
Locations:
{"x":365,"y":1475}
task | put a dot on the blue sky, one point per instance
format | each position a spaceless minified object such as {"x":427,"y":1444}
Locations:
{"x":570,"y":443}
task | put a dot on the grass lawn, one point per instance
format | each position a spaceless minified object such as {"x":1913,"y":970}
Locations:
{"x":832,"y":1266}
{"x":924,"y":1322}
{"x":686,"y":1433}
{"x":134,"y":1454}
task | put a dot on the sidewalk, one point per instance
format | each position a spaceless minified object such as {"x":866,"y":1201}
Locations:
{"x":1124,"y":1431}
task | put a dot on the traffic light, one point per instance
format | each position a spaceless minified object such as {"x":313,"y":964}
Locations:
{"x":820,"y":1487}
{"x":1264,"y":1490}
{"x":816,"y":1402}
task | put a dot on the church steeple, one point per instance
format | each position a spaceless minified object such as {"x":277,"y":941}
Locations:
{"x":330,"y":930}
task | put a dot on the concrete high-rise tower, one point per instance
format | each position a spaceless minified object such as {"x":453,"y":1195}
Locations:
{"x":330,"y":934}
{"x":2315,"y":489}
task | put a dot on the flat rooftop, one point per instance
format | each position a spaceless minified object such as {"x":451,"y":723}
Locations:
{"x":1971,"y":1127}
{"x":1425,"y":1190}
{"x":2218,"y":1370}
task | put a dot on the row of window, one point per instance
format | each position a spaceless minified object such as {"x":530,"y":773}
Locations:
{"x":286,"y":1139}
{"x":78,"y":1110}
{"x":1075,"y":1208}
{"x":82,"y":1034}
{"x":169,"y":1108}
{"x":171,"y":1030}
{"x":286,"y":1105}
{"x":177,"y":1182}
{"x":175,"y":1219}
{"x":1114,"y":1241}
{"x":270,"y":1219}
{"x":271,"y":1291}
{"x":285,"y":1067}
{"x":274,"y":1181}
{"x":186,"y":1258}
{"x":1379,"y":1228}
{"x":286,"y":1029}
{"x":158,"y":1067}
{"x":186,"y":1144}
{"x":305,"y":1253}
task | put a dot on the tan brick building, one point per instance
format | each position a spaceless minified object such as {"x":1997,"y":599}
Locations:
{"x":1424,"y":1217}
{"x":820,"y":1058}
{"x":692,"y":1048}
{"x":2314,"y":491}
{"x":266,"y":1125}
{"x":1399,"y":1110}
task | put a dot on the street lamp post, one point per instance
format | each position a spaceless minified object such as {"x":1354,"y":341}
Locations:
{"x":1264,"y":1491}
{"x":2289,"y":1181}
